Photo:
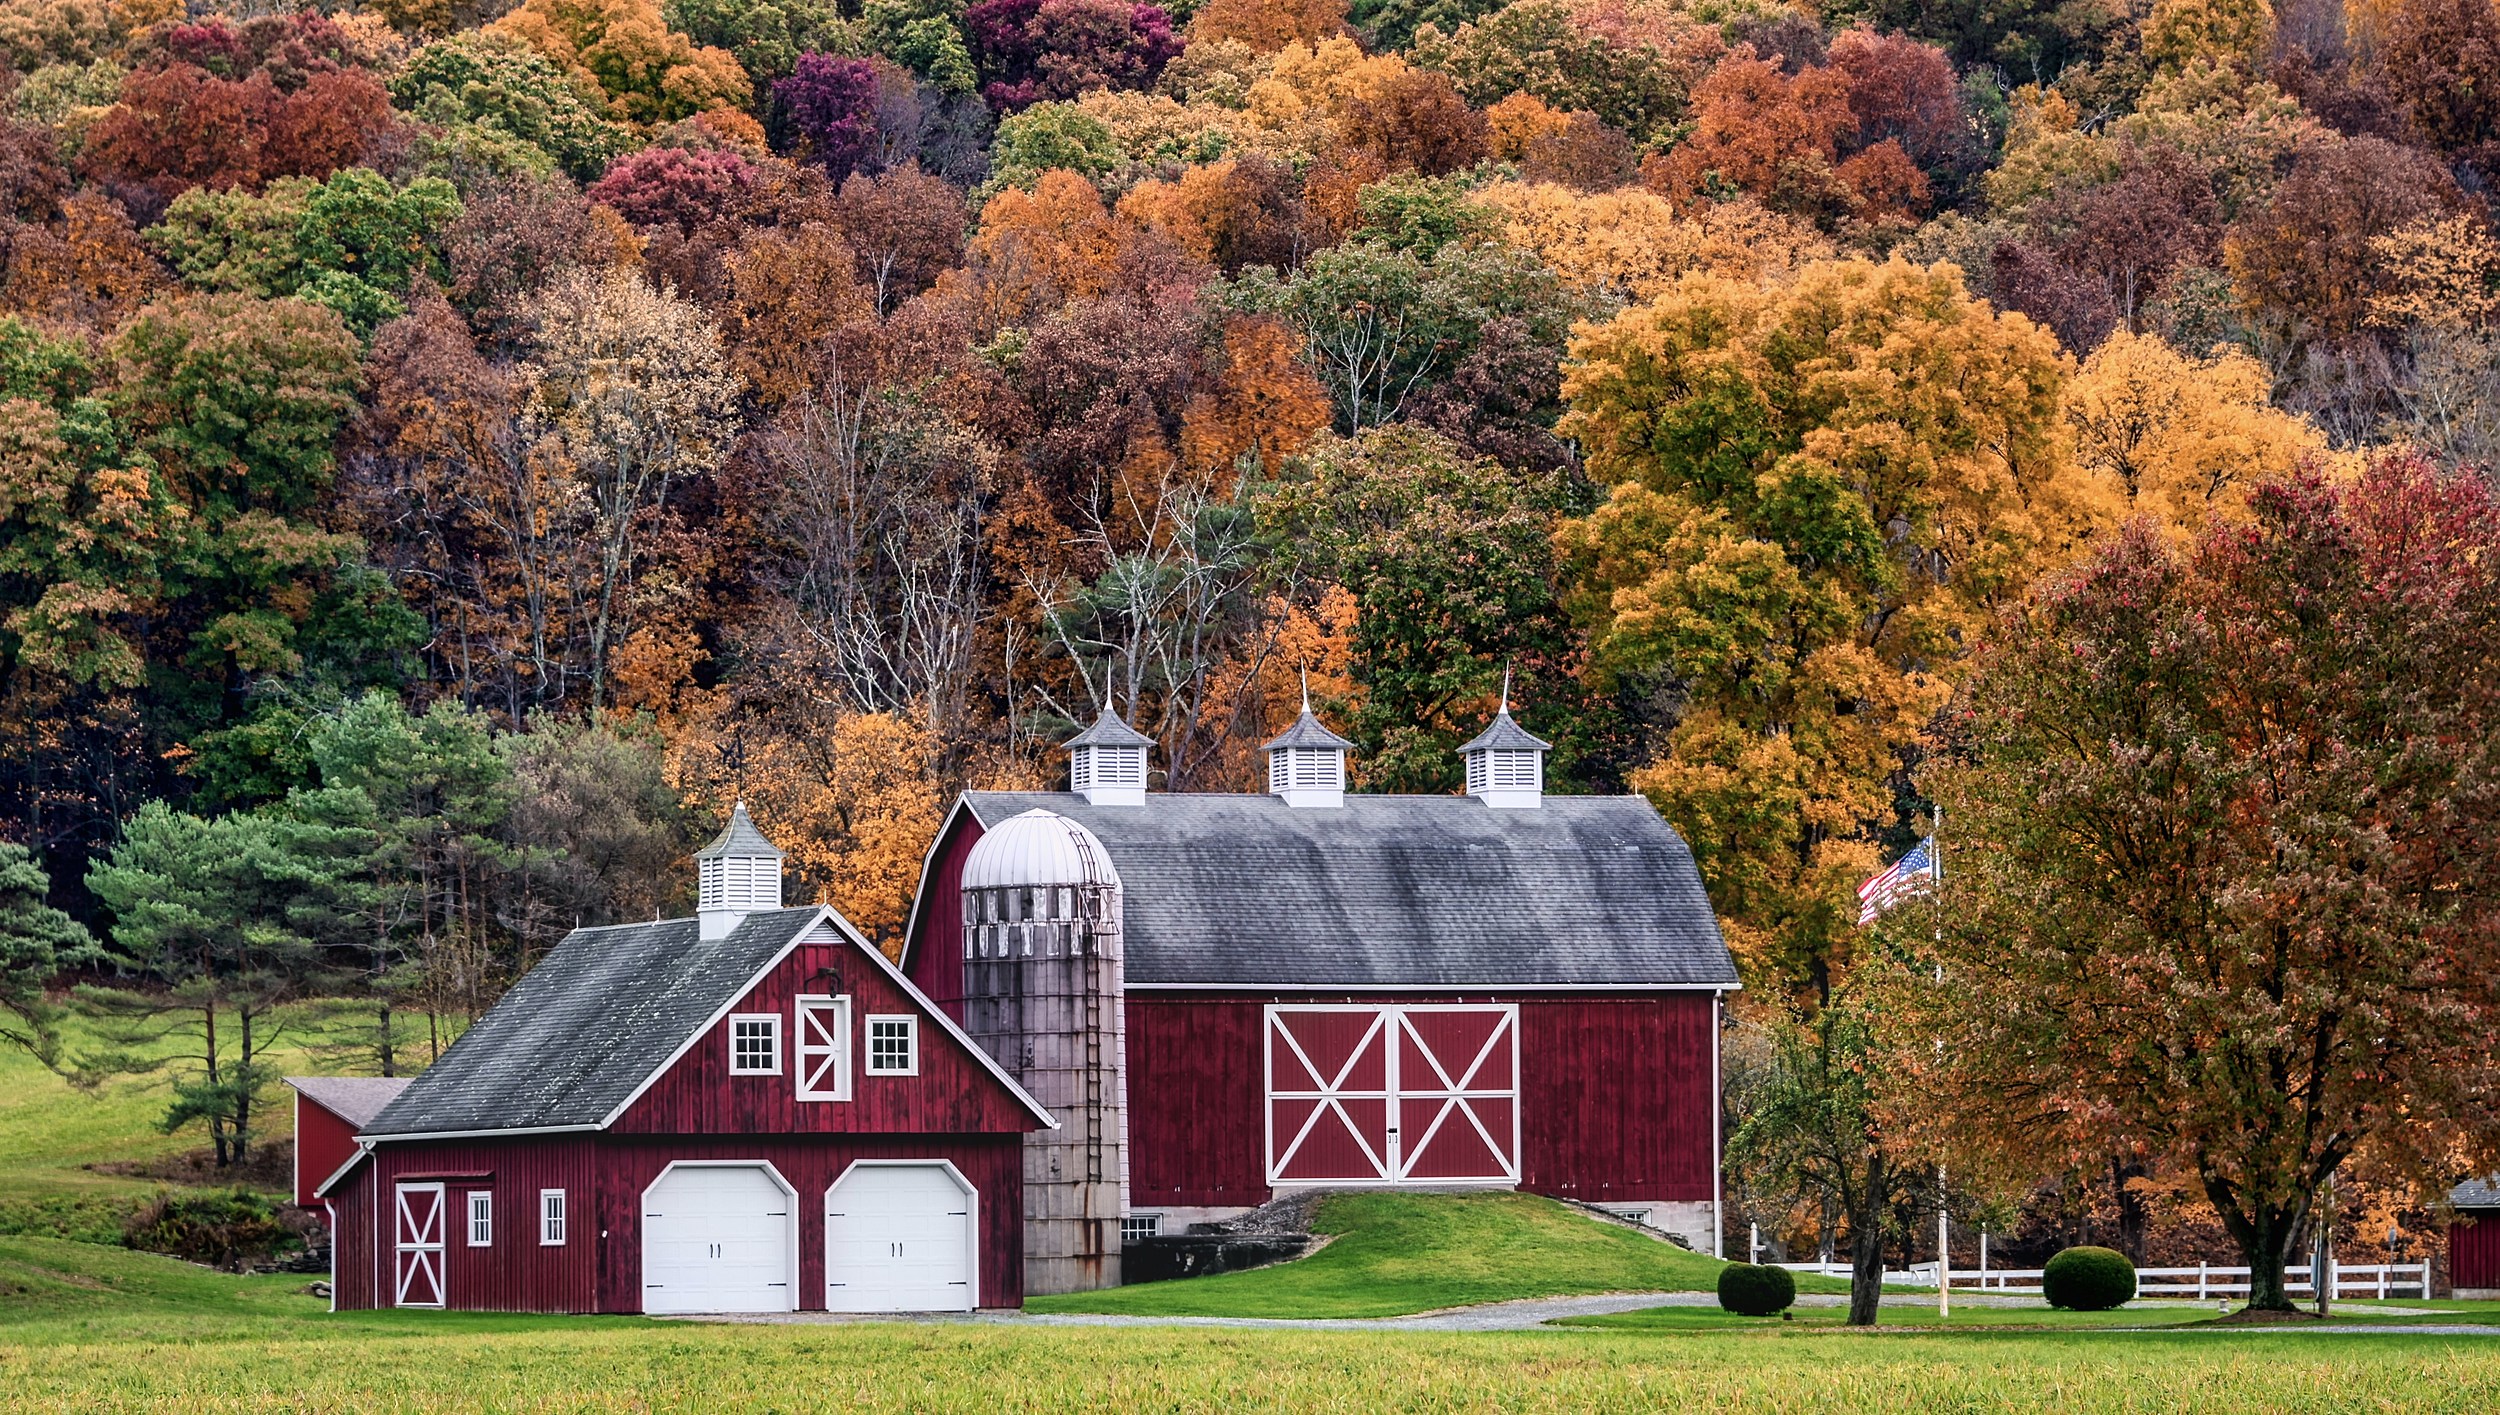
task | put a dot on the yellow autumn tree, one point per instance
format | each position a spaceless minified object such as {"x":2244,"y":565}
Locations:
{"x":624,"y":52}
{"x":1631,"y":244}
{"x":2176,"y":438}
{"x":851,"y":797}
{"x":1820,"y":493}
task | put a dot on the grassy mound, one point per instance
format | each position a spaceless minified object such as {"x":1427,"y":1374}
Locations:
{"x":1399,"y":1253}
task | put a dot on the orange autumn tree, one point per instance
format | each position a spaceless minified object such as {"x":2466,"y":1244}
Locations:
{"x":1268,"y":25}
{"x":851,"y":797}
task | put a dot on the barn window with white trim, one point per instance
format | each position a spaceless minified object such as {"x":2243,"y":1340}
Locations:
{"x":550,"y":1218}
{"x":894,"y":1046}
{"x":755,"y":1044}
{"x":481,"y":1219}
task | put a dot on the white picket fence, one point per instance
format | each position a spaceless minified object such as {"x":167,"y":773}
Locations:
{"x":2205,"y":1281}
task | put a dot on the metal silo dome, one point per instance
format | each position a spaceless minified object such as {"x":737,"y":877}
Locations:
{"x":1038,"y":848}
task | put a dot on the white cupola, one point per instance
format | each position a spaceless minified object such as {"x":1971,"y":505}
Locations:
{"x":737,"y":874}
{"x":1306,"y":762}
{"x":1107,"y":762}
{"x":1506,"y":764}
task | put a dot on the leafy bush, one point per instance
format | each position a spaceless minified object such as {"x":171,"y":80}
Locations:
{"x":2089,"y":1280}
{"x":227,"y":1228}
{"x":1749,"y":1290}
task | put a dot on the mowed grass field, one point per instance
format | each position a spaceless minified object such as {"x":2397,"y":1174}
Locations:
{"x":85,"y":1326}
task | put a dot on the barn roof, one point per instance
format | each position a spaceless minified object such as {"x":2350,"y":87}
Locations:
{"x":575,"y":1040}
{"x":2481,"y":1193}
{"x":354,"y":1099}
{"x":1398,"y":891}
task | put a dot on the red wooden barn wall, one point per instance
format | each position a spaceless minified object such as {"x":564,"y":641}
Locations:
{"x":323,"y":1142}
{"x":934,"y":955}
{"x":1615,"y":1096}
{"x":2474,"y":1250}
{"x":600,"y":1268}
{"x":953,"y":1094}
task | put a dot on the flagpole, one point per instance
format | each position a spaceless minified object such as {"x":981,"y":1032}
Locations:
{"x":1944,"y":1236}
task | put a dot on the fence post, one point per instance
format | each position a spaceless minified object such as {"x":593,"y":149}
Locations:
{"x":1983,"y":1260}
{"x":1753,"y":1245}
{"x":2200,"y":1281}
{"x":2382,"y":1282}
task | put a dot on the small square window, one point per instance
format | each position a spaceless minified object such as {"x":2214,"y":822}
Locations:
{"x":481,"y":1219}
{"x":894,"y":1046}
{"x":551,"y":1218}
{"x":755,"y":1044}
{"x":1137,"y":1228}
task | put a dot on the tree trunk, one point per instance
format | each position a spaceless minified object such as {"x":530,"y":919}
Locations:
{"x":2130,"y":1204}
{"x":1866,"y":1247}
{"x":2264,"y":1236}
{"x":243,"y":1088}
{"x":216,"y":1131}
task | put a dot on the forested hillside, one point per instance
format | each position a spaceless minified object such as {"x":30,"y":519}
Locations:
{"x":447,"y":453}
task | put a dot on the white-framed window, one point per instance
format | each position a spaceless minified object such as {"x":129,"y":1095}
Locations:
{"x":1137,"y":1228}
{"x":481,"y":1219}
{"x":823,"y":1048}
{"x":550,"y":1218}
{"x":894,"y":1046}
{"x":755,"y":1044}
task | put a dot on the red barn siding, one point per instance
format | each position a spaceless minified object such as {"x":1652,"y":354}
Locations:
{"x":1197,"y":1134}
{"x":2474,"y":1250}
{"x":1615,"y":1098}
{"x":953,"y":1094}
{"x":933,"y":956}
{"x":600,"y":1268}
{"x":323,"y":1142}
{"x":1616,"y":1101}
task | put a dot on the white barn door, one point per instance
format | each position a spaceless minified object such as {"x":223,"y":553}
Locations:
{"x":417,"y":1247}
{"x":718,"y":1238}
{"x":1393,"y":1093}
{"x":899,"y":1238}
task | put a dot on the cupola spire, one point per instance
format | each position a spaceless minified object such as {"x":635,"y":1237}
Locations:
{"x":1107,"y":761}
{"x":1506,"y":762}
{"x":1306,"y":762}
{"x":737,"y":874}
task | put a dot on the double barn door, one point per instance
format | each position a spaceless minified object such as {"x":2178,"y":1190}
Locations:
{"x":1422,"y":1094}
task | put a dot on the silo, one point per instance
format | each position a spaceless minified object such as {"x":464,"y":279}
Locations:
{"x":1042,"y":983}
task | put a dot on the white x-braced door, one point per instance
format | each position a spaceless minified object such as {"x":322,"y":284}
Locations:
{"x":417,"y":1248}
{"x":1393,"y":1094}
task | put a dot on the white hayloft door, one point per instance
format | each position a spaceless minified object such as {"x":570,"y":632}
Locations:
{"x":718,"y":1238}
{"x":899,"y":1238}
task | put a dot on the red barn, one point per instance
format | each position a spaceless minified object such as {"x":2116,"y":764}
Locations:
{"x":1227,"y":997}
{"x":329,"y":1113}
{"x":747,"y":1111}
{"x":2474,"y":1239}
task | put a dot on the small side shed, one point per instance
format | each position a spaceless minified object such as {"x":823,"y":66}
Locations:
{"x":2474,"y":1239}
{"x":330,"y":1111}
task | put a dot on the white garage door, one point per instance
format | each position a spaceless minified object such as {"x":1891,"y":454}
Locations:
{"x":717,"y":1238}
{"x":898,"y":1238}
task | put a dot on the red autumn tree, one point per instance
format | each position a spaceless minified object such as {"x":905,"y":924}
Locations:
{"x":2229,"y":884}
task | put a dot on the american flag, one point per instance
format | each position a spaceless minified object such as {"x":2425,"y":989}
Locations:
{"x":1911,"y":874}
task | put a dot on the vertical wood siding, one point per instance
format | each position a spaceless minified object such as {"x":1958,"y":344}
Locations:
{"x":323,"y":1142}
{"x":953,"y":1094}
{"x":933,"y":957}
{"x":2474,"y":1250}
{"x":1615,"y":1096}
{"x":599,"y":1267}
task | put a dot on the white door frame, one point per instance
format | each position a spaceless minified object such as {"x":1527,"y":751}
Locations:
{"x":972,"y":1218}
{"x":1393,"y":1031}
{"x":402,"y":1250}
{"x":790,"y":1289}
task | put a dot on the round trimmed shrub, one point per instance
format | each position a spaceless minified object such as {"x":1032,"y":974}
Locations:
{"x":2088,"y":1280}
{"x":1749,"y":1290}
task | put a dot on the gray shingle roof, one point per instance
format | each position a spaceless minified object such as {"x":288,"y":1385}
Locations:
{"x":739,"y":838}
{"x":1422,"y":891}
{"x":1109,"y":731}
{"x":354,"y":1099}
{"x":1307,"y":731}
{"x":1505,"y":735}
{"x":2481,"y":1193}
{"x":579,"y":1033}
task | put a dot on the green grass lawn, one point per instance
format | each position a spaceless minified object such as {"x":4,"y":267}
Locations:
{"x":84,"y":1328}
{"x":1400,"y":1253}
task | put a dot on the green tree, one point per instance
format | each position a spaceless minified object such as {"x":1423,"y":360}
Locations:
{"x":37,"y":944}
{"x":768,"y":36}
{"x":501,"y":86}
{"x":219,"y":917}
{"x":1450,"y":559}
{"x":351,"y":244}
